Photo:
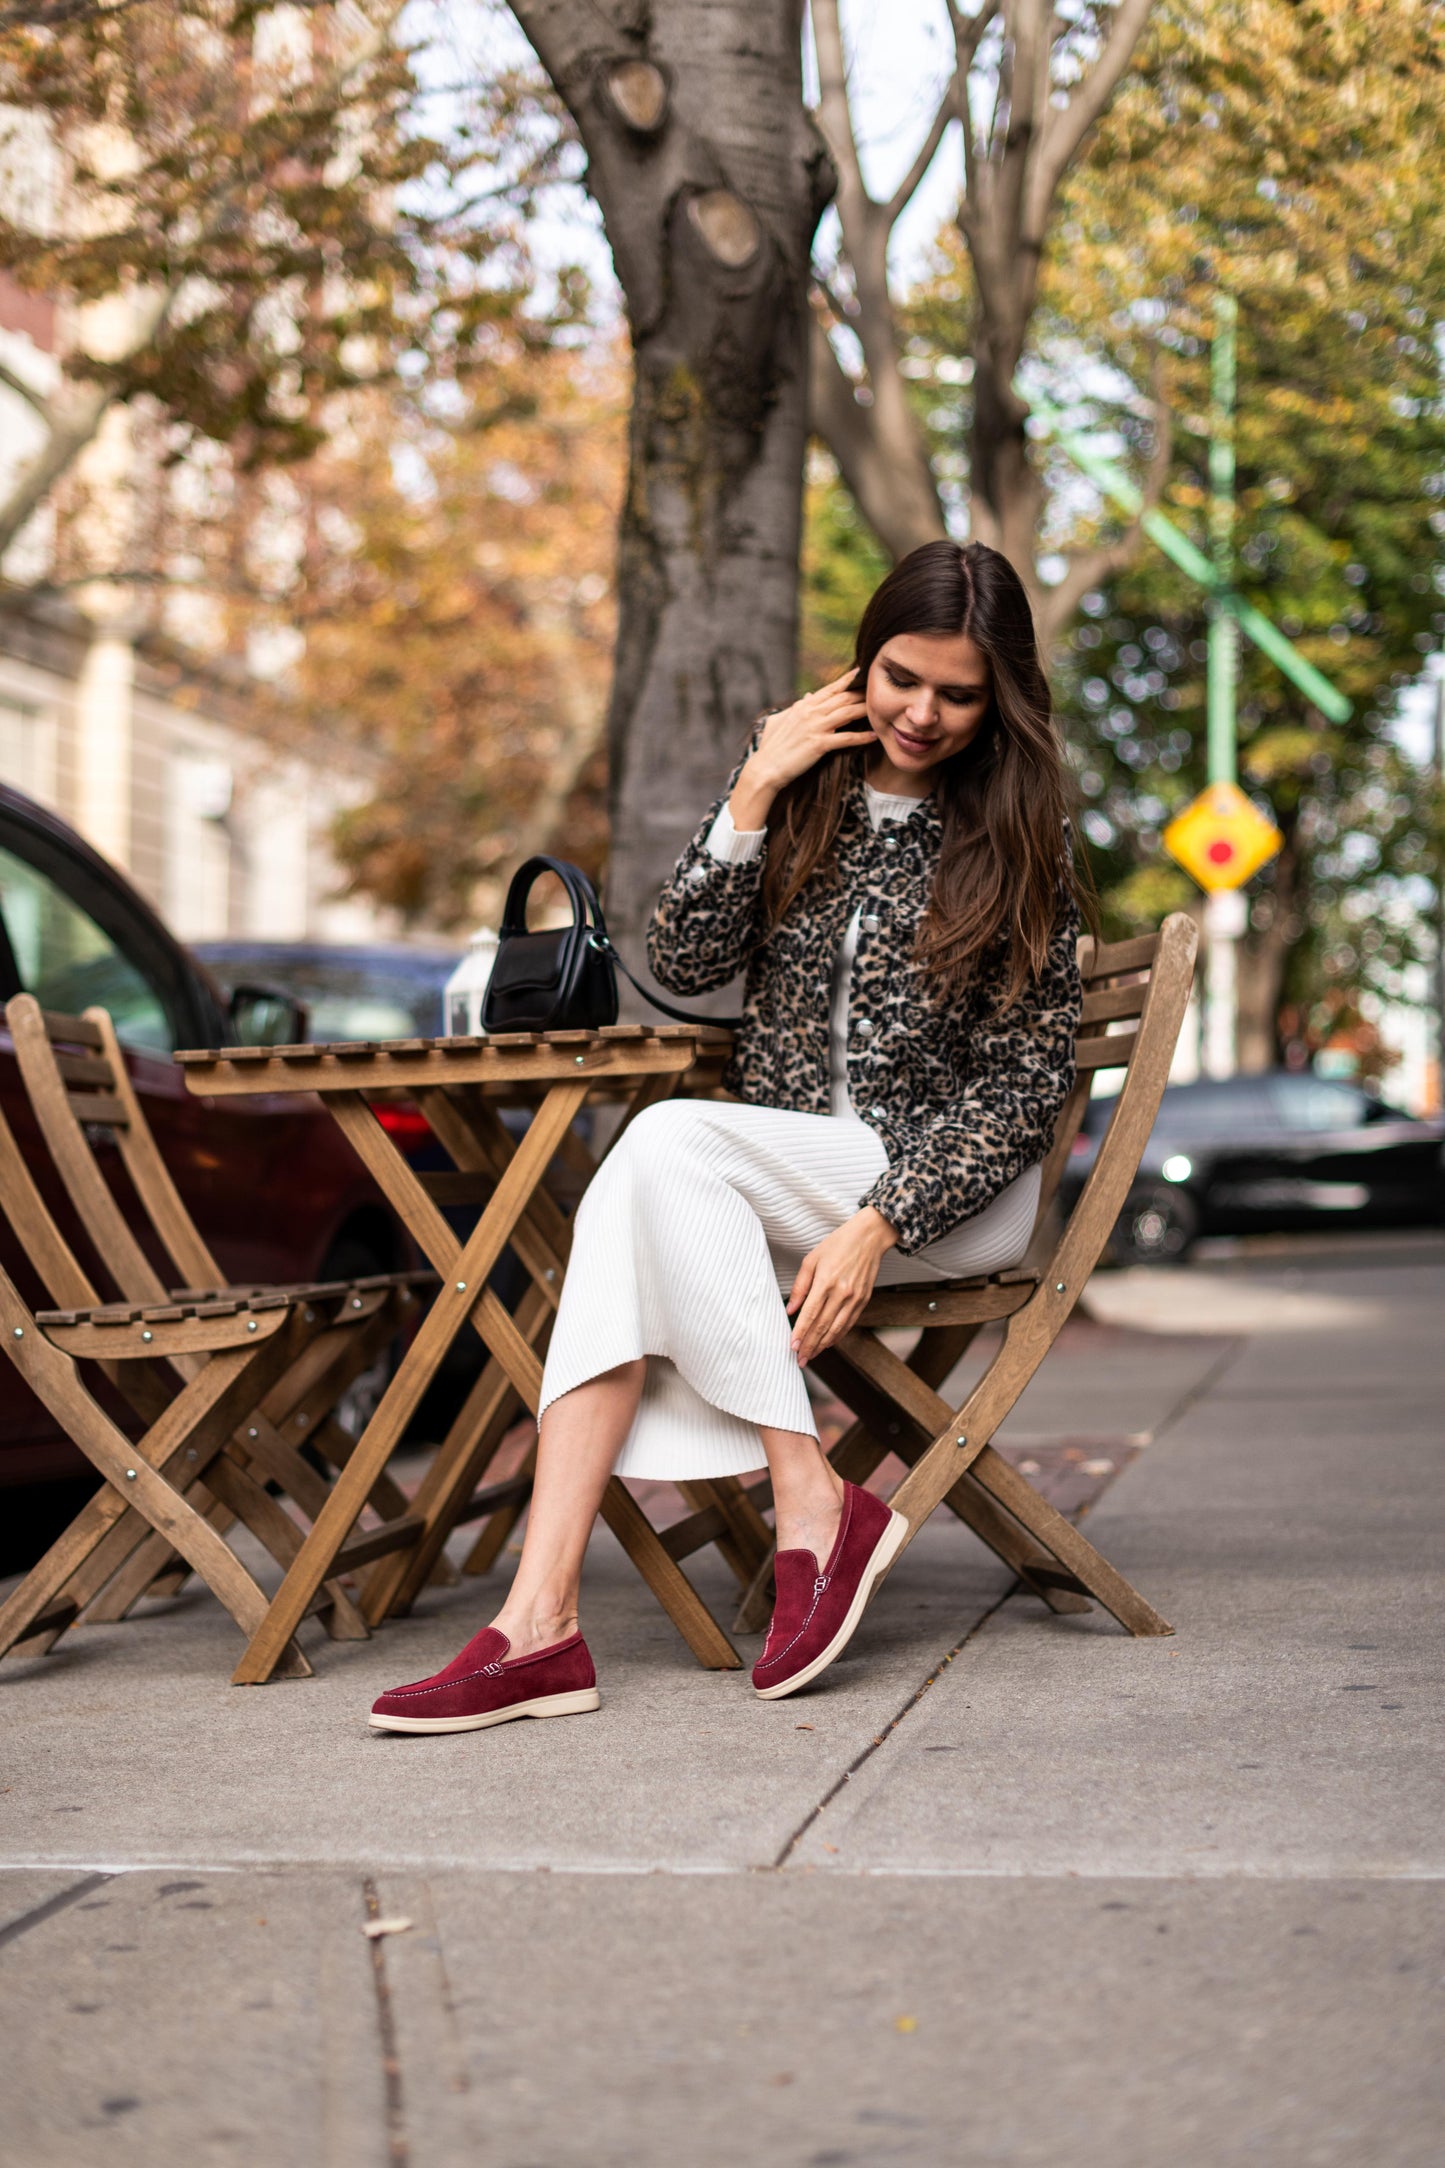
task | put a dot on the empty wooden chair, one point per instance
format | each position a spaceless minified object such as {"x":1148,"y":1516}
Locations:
{"x":81,"y":1094}
{"x":202,"y":1378}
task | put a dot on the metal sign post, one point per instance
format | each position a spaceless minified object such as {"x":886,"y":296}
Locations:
{"x":1225,"y":914}
{"x":1224,"y":849}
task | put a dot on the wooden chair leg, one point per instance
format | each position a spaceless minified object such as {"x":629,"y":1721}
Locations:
{"x":457,"y":1467}
{"x":972,"y":1505}
{"x":756,"y":1608}
{"x":1084,"y":1569}
{"x":669,"y":1584}
{"x":136,"y":1475}
{"x":492,"y":1541}
{"x":745,"y":1539}
{"x":1072,"y":1568}
{"x":295,"y":1412}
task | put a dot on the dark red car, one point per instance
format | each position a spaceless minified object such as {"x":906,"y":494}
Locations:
{"x":275,"y":1189}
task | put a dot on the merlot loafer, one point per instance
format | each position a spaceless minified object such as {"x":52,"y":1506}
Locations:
{"x":815,"y":1614}
{"x":482,"y":1686}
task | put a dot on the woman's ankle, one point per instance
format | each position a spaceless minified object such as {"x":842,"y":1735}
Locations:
{"x":811,"y":1523}
{"x":527,"y":1631}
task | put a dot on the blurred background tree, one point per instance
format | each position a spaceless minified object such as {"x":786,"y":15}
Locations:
{"x":245,"y":215}
{"x":1286,"y":151}
{"x":457,"y":612}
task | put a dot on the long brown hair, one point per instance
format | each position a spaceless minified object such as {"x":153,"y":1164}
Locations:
{"x":1004,"y":863}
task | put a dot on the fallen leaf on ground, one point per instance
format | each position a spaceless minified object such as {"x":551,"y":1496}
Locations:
{"x":905,"y":2024}
{"x":802,"y":1727}
{"x":373,"y":1928}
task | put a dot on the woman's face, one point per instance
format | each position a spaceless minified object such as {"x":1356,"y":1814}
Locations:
{"x":928,"y":695}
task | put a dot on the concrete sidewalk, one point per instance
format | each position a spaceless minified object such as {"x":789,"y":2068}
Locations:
{"x":1003,"y":1888}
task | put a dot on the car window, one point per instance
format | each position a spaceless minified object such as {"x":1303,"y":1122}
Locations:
{"x":344,"y":999}
{"x":1313,"y":1102}
{"x":69,"y":963}
{"x":1223,"y":1109}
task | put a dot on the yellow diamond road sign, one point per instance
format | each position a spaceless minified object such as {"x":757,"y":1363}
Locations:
{"x":1221,"y":839}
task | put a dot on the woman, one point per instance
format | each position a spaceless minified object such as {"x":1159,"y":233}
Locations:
{"x":890,"y":863}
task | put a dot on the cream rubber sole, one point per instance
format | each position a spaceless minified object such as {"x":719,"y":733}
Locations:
{"x":578,"y":1704}
{"x":889,"y":1544}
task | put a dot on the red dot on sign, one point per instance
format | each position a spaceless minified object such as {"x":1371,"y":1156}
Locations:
{"x":1219,"y":853}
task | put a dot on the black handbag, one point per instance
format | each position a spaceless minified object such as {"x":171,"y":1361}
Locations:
{"x":563,"y":979}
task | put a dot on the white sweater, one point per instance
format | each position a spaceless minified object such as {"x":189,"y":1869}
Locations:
{"x":735,"y":846}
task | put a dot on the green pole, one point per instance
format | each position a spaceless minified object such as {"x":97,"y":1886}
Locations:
{"x":1161,"y":530}
{"x":1223,"y":626}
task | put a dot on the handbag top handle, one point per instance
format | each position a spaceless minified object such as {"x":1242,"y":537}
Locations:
{"x":586,"y":909}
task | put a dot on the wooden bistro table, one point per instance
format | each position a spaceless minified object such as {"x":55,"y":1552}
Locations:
{"x":460,"y":1087}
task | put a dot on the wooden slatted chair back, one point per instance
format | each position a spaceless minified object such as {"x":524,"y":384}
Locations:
{"x":1120,"y":980}
{"x":78,"y":1085}
{"x":55,"y":1264}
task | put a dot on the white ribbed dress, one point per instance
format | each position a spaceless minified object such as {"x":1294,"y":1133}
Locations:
{"x":693,"y":1228}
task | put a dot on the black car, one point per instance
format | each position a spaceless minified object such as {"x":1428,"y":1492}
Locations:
{"x":376,"y":990}
{"x":1285,"y":1150}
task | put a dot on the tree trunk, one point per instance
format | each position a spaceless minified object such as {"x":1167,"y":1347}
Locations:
{"x":710,"y":178}
{"x":1005,"y":490}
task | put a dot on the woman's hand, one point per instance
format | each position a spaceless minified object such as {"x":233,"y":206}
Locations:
{"x":835,"y":1280}
{"x":794,"y":740}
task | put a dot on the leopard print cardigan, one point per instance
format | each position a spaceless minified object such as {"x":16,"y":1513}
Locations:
{"x":962,"y":1095}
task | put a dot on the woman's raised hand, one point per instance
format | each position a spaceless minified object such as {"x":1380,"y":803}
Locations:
{"x":794,"y":740}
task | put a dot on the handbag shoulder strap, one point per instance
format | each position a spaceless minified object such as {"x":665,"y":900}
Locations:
{"x":602,"y":940}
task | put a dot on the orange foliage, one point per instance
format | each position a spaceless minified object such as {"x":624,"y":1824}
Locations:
{"x":457,"y":608}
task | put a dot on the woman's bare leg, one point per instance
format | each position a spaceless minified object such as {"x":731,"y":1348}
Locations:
{"x":581,"y":1435}
{"x":807,"y":1493}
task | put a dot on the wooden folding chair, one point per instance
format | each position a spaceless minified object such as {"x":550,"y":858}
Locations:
{"x":81,"y":1095}
{"x":1135,"y":994}
{"x":86,"y":1093}
{"x":207,"y":1380}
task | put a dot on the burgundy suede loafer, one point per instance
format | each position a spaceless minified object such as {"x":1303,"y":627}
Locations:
{"x":816,"y":1614}
{"x":480,"y":1687}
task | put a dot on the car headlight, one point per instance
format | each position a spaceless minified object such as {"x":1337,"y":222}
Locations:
{"x":1177,"y":1167}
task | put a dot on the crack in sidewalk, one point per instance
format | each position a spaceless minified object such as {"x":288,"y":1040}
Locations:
{"x":1189,"y":1398}
{"x":888,"y":1730}
{"x":397,"y":2146}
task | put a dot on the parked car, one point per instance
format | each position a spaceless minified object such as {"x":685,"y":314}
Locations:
{"x":348,"y":991}
{"x":274,"y":1187}
{"x":1284,"y":1150}
{"x":376,"y":990}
